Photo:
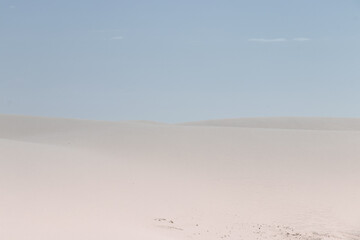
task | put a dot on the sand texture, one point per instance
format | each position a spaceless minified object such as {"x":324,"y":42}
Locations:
{"x":251,"y":179}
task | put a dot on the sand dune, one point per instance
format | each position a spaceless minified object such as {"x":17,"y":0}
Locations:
{"x":304,"y":123}
{"x":265,"y":178}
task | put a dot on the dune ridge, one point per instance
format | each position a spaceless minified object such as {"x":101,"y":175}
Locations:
{"x":296,"y":123}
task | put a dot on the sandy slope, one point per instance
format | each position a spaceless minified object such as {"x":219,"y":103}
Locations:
{"x":277,"y":178}
{"x":300,"y":123}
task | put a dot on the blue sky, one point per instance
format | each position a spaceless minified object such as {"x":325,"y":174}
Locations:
{"x":175,"y":61}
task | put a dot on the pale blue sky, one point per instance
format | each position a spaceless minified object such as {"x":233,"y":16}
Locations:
{"x":176,"y":61}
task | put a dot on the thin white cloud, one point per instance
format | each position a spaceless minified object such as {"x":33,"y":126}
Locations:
{"x":267,"y":40}
{"x":302,"y":39}
{"x":117,"y":38}
{"x":12,"y":6}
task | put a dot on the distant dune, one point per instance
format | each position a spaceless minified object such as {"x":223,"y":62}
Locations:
{"x":251,"y":178}
{"x":303,"y":123}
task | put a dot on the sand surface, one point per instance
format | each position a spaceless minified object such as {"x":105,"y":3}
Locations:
{"x":255,"y":178}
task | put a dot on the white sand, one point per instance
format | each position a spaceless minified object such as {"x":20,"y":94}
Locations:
{"x":265,"y":178}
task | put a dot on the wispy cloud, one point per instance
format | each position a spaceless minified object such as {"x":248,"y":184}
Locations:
{"x":12,"y":6}
{"x":302,"y":39}
{"x":274,"y":40}
{"x":117,"y":38}
{"x":267,"y":40}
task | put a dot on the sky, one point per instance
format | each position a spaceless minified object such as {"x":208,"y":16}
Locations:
{"x":177,"y":61}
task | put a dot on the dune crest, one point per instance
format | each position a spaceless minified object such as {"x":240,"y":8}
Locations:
{"x":296,"y":123}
